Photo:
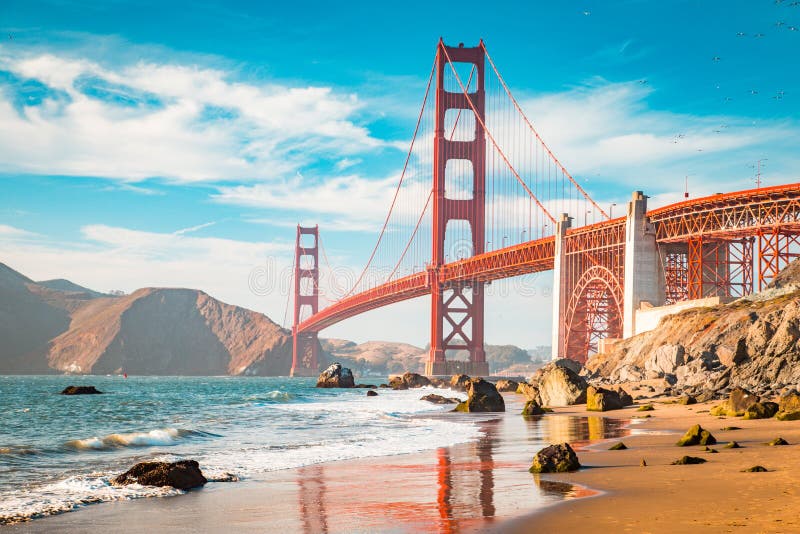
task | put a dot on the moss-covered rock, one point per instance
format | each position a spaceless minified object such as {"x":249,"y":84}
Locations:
{"x":601,"y":400}
{"x":761,"y":410}
{"x":789,"y":407}
{"x":618,"y":447}
{"x":689,"y":460}
{"x":737,"y":403}
{"x":555,"y":459}
{"x":482,"y":397}
{"x":532,"y":408}
{"x":778,"y":441}
{"x":687,"y":400}
{"x":733,"y":445}
{"x":696,"y":435}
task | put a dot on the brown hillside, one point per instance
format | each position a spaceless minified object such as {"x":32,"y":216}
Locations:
{"x":27,"y":323}
{"x":170,"y":332}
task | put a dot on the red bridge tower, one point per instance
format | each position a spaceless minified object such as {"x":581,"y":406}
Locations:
{"x":457,"y":309}
{"x":305,"y":345}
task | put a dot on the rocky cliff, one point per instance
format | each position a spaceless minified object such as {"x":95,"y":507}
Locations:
{"x":156,"y":331}
{"x":751,"y":342}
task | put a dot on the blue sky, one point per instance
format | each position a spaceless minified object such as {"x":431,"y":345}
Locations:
{"x":148,"y":144}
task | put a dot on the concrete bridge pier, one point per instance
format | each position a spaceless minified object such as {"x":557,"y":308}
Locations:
{"x":644,"y":274}
{"x":559,"y":288}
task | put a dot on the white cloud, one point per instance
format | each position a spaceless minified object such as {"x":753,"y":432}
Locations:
{"x":195,"y":123}
{"x":12,"y":232}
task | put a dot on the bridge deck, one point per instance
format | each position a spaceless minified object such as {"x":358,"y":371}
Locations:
{"x":723,"y":216}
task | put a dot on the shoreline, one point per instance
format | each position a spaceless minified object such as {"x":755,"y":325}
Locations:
{"x":466,"y":487}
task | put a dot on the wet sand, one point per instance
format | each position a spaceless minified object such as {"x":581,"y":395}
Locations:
{"x":467,"y":487}
{"x":711,"y":497}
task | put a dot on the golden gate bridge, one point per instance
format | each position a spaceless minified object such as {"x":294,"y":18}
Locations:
{"x":481,"y":197}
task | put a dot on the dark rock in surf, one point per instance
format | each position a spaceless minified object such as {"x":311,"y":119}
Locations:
{"x":81,"y":390}
{"x":409,"y":381}
{"x":181,"y":475}
{"x":438,"y":399}
{"x":482,"y":397}
{"x":336,"y":376}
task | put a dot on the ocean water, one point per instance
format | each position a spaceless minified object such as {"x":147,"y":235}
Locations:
{"x":58,"y":453}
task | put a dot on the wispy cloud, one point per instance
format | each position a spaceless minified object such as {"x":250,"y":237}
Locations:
{"x":180,"y":122}
{"x":12,"y":232}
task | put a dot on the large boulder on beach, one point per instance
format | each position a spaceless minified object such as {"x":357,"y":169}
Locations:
{"x":555,"y":459}
{"x":336,"y":376}
{"x":789,"y":406}
{"x":181,"y":475}
{"x":696,"y":435}
{"x":739,"y":400}
{"x":761,"y":410}
{"x":81,"y":390}
{"x":459,"y":382}
{"x":482,"y":396}
{"x":559,"y":386}
{"x":408,"y":381}
{"x":601,"y":400}
{"x":506,"y":386}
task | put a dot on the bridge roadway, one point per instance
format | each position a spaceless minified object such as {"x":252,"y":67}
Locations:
{"x":756,"y":212}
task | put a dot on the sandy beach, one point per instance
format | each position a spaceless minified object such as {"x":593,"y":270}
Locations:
{"x":711,"y":497}
{"x":485,"y":485}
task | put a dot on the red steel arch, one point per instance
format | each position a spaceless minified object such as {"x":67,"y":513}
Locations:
{"x":594,"y":312}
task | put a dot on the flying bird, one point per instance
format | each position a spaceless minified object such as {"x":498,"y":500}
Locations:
{"x":728,"y":99}
{"x":740,"y":34}
{"x":587,"y":13}
{"x":758,"y":35}
{"x":780,"y":23}
{"x":753,"y":92}
{"x":715,"y":58}
{"x":642,"y":82}
{"x":792,"y":28}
